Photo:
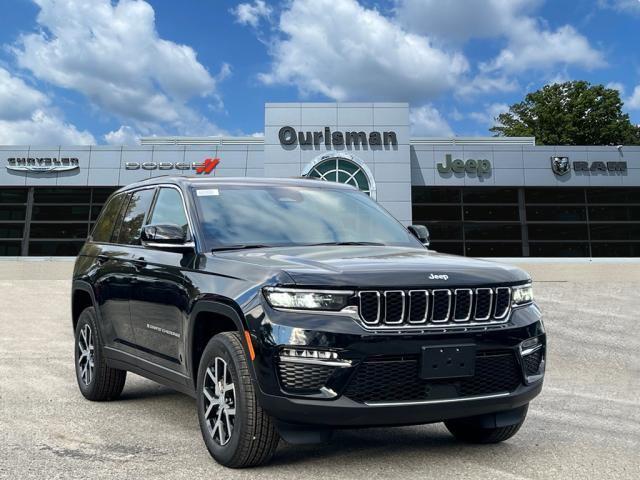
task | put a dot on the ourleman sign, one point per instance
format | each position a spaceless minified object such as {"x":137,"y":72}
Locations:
{"x":42,"y":164}
{"x":470,"y":166}
{"x":288,"y":136}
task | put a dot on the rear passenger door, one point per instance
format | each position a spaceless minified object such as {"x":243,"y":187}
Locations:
{"x":160,"y":297}
{"x":126,"y":257}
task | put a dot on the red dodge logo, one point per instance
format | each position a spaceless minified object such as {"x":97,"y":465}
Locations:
{"x":208,"y":165}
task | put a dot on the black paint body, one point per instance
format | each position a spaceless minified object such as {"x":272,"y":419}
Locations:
{"x":132,"y":286}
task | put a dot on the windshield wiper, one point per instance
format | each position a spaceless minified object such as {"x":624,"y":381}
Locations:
{"x":238,"y":247}
{"x":343,"y":243}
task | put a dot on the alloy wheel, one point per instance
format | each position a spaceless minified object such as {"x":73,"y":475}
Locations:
{"x":219,"y":401}
{"x":86,"y":358}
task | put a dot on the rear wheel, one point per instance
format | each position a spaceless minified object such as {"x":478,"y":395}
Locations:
{"x":470,"y":431}
{"x":96,"y":380}
{"x":237,"y":432}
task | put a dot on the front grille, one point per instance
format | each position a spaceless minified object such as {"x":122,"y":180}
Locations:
{"x":393,"y":308}
{"x":396,"y":379}
{"x":532,"y":362}
{"x":302,"y":377}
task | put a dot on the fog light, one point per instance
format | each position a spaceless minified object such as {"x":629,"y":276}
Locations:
{"x":307,"y":355}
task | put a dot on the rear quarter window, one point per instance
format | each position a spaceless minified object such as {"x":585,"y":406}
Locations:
{"x":107,"y":220}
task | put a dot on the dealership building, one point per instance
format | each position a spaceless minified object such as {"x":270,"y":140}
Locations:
{"x":479,"y":196}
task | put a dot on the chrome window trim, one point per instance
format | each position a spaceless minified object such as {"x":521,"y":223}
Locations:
{"x":426,"y":308}
{"x":455,"y":310}
{"x":360,"y":306}
{"x":490,"y":310}
{"x":433,"y":293}
{"x":506,"y":310}
{"x":402,"y":296}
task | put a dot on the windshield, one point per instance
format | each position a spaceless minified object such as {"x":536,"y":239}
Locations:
{"x":237,"y":216}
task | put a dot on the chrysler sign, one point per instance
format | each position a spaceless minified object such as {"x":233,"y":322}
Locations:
{"x":42,"y":164}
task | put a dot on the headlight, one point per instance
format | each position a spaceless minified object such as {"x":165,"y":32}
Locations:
{"x":522,"y":295}
{"x":297,"y":299}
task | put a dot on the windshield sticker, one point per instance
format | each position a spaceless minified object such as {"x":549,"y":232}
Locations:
{"x":210,"y":192}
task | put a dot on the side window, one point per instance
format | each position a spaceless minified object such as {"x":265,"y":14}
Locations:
{"x":169,"y":209}
{"x":134,"y":217}
{"x":107,"y":219}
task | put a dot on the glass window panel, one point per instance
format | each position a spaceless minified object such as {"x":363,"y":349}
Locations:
{"x":454,"y":248}
{"x":615,"y":231}
{"x":492,"y":231}
{"x":58,"y":230}
{"x":557,"y":213}
{"x":491,"y":212}
{"x":490,"y":195}
{"x":61,"y":195}
{"x":10,"y":249}
{"x":63,"y":213}
{"x":615,"y":249}
{"x":493,"y":249}
{"x":15,"y":212}
{"x":554,"y":195}
{"x":54,"y":249}
{"x":560,"y":249}
{"x":134,"y":217}
{"x":435,"y":195}
{"x":13,"y":195}
{"x":426,"y":213}
{"x":169,"y":209}
{"x":104,"y":228}
{"x":617,"y":213}
{"x":11,"y":230}
{"x":613,"y":195}
{"x":444,"y":231}
{"x":557,"y":231}
{"x":100,"y":195}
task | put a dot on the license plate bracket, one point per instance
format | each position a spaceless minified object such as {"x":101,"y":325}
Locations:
{"x":448,"y":361}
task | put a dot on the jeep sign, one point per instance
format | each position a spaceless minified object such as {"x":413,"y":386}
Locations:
{"x":470,"y":166}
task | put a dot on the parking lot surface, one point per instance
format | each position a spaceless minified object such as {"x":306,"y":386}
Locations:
{"x":586,"y":423}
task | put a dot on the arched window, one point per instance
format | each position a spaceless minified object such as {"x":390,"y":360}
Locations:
{"x":342,"y":170}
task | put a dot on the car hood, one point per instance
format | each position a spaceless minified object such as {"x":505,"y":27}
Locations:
{"x":375,"y":266}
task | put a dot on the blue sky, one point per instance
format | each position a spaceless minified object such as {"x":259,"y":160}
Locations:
{"x":100,"y":71}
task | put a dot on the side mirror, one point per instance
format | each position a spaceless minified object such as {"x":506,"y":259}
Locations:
{"x":421,"y":233}
{"x":165,"y":236}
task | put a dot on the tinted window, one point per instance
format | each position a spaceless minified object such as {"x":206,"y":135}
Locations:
{"x":490,"y":195}
{"x":169,"y":209}
{"x":13,"y":195}
{"x":11,"y":230}
{"x":435,"y":195}
{"x":424,"y":213}
{"x":104,"y":227}
{"x":134,"y":217}
{"x":10,"y":249}
{"x":492,"y":231}
{"x":59,"y":248}
{"x":557,"y":231}
{"x":493,"y":249}
{"x":445,"y":231}
{"x":557,"y":213}
{"x":491,"y":213}
{"x":59,"y":230}
{"x":613,"y":195}
{"x":61,"y":195}
{"x":12,"y":212}
{"x":61,"y":212}
{"x":554,"y":195}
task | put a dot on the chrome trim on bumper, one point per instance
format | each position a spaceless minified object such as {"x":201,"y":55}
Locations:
{"x":434,"y":402}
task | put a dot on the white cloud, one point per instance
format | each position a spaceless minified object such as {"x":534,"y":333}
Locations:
{"x":484,"y":84}
{"x":530,"y":44}
{"x":26,"y":117}
{"x":251,"y":14}
{"x":532,"y":48}
{"x":624,"y":6}
{"x":356,"y":53}
{"x":633,"y":102}
{"x":17,"y":99}
{"x":42,"y":128}
{"x":616,"y":86}
{"x":112,"y":53}
{"x":427,"y":121}
{"x":125,"y":135}
{"x":488,"y":117}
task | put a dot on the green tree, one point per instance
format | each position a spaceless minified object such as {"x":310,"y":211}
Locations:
{"x":570,"y":113}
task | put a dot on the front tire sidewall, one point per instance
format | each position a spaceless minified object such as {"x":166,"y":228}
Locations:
{"x":87,"y":317}
{"x":224,"y":454}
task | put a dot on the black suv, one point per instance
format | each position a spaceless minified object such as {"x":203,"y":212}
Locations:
{"x":290,"y":308}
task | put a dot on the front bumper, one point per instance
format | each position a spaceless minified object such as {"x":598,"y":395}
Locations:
{"x":380,"y":384}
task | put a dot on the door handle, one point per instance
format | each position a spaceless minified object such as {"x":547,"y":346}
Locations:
{"x":139,"y":263}
{"x":102,"y":259}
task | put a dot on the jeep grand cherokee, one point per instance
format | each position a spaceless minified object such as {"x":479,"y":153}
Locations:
{"x":290,"y":308}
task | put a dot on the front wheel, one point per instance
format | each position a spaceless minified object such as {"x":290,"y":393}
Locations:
{"x":470,"y":431}
{"x":97,"y":381}
{"x":237,"y":432}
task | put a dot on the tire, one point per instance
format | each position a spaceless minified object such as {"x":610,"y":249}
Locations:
{"x":97,"y":381}
{"x":470,"y":432}
{"x":252,"y":439}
